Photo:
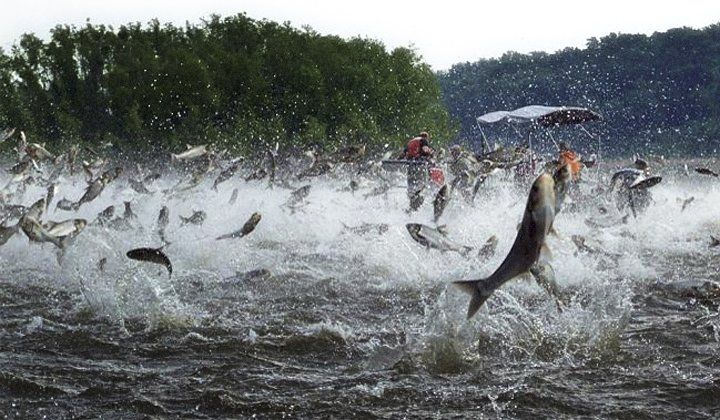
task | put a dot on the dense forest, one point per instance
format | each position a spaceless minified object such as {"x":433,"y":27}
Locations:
{"x":658,"y":93}
{"x":235,"y":82}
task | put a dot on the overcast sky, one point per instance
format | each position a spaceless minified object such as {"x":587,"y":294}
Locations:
{"x":443,"y":32}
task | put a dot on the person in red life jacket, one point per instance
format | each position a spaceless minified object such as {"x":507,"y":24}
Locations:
{"x":417,"y":149}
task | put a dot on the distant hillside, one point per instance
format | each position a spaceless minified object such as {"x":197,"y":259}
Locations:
{"x":660,"y":92}
{"x":232,"y":81}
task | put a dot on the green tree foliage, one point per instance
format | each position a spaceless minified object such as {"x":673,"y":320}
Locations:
{"x":660,"y":92}
{"x":233,"y":81}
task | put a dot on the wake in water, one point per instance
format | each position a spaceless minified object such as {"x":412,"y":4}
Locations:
{"x":327,"y":306}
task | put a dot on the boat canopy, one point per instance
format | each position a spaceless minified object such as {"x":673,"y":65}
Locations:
{"x":546,"y":116}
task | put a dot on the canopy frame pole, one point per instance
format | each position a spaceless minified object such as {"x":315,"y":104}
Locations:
{"x":486,"y":144}
{"x":519,"y":134}
{"x":530,"y":148}
{"x":598,"y":145}
{"x":552,"y":138}
{"x":586,"y":132}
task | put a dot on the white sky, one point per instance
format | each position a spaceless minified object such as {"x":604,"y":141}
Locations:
{"x":443,"y":32}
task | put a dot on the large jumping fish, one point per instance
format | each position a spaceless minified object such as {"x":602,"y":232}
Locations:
{"x":530,"y":241}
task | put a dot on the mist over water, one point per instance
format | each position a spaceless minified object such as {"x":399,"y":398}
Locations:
{"x":305,"y":318}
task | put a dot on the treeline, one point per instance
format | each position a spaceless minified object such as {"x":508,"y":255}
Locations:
{"x":658,"y":93}
{"x":233,"y":81}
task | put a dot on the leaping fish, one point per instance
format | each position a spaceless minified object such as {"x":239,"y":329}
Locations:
{"x":435,"y":238}
{"x":529,"y":243}
{"x":190,"y":154}
{"x":153,"y":255}
{"x":248,"y":227}
{"x":440,"y":202}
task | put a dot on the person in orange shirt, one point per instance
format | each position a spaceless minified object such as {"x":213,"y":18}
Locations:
{"x":569,"y":157}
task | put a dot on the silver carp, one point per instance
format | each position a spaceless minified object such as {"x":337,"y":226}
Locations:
{"x":440,"y":202}
{"x":526,"y":250}
{"x":190,"y":154}
{"x":248,"y":227}
{"x":153,"y":255}
{"x":435,"y":238}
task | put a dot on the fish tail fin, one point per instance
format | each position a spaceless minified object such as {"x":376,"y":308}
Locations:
{"x":714,"y":241}
{"x":59,"y":256}
{"x":58,"y":241}
{"x":473,"y":287}
{"x":65,"y":242}
{"x":442,"y":229}
{"x":466,"y":250}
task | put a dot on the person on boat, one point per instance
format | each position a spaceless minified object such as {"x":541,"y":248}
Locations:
{"x":568,"y":156}
{"x":419,"y":147}
{"x":463,"y":167}
{"x":418,"y":151}
{"x":527,"y":162}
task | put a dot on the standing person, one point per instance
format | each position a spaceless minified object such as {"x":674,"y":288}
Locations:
{"x":418,"y":151}
{"x":419,"y":147}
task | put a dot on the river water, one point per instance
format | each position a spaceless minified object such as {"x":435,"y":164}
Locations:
{"x":304,"y":319}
